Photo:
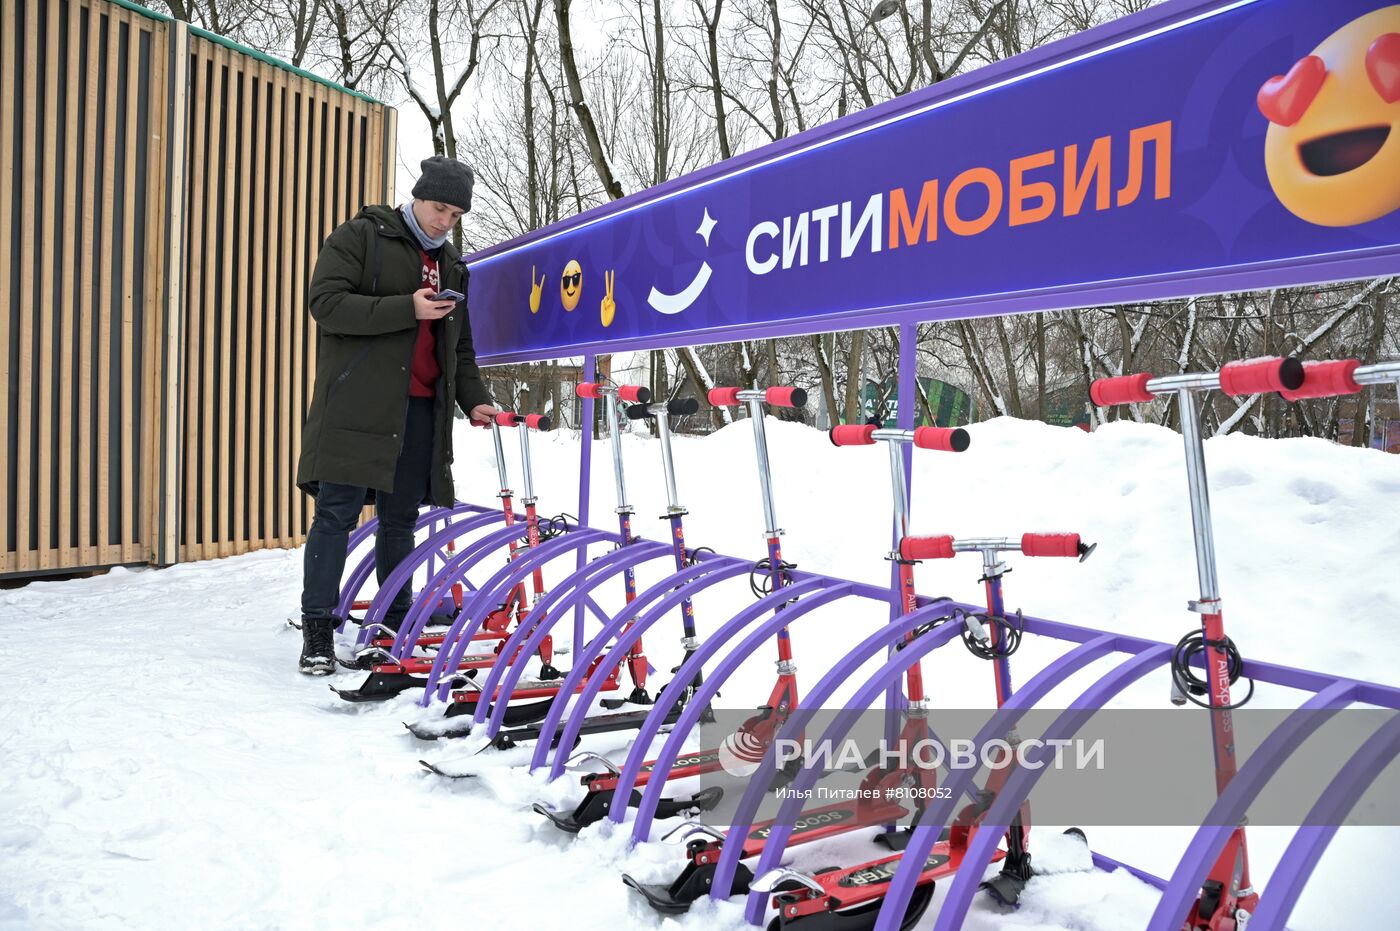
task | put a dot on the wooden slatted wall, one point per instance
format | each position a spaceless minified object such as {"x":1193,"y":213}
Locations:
{"x":163,"y":196}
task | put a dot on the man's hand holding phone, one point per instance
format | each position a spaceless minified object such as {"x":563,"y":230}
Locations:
{"x":427,"y":306}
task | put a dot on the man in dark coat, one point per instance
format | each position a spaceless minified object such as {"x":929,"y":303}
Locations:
{"x":391,"y":362}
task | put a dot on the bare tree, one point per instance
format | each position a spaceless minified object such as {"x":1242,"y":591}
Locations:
{"x":709,"y":25}
{"x":355,"y":49}
{"x":225,"y":17}
{"x":579,"y":105}
{"x":455,"y":33}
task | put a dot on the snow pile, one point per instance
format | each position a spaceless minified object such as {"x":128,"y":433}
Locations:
{"x":164,"y":766}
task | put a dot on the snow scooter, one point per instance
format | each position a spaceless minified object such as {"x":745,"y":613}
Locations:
{"x":850,"y":898}
{"x":395,"y":675}
{"x":636,"y":660}
{"x":376,"y":639}
{"x":875,"y":803}
{"x":1323,"y":379}
{"x":1227,"y":897}
{"x":754,"y":735}
{"x":637,"y":666}
{"x":512,"y":736}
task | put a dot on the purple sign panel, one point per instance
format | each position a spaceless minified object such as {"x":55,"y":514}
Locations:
{"x":1197,"y":147}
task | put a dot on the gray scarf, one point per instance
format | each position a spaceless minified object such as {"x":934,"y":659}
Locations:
{"x":427,"y":243}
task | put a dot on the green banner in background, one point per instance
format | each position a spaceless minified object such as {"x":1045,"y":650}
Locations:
{"x":950,"y":405}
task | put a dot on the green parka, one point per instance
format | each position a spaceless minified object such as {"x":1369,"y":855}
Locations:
{"x":361,"y":298}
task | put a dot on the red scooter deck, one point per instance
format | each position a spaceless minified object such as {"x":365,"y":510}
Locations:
{"x":869,"y":882}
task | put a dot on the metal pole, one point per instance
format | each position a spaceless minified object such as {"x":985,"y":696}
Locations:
{"x":765,"y":475}
{"x":1200,"y":496}
{"x":584,"y":482}
{"x":899,"y":488}
{"x":525,"y":465}
{"x":901,"y":575}
{"x":992,"y":571}
{"x":615,"y":439}
{"x":500,"y":457}
{"x":663,"y":429}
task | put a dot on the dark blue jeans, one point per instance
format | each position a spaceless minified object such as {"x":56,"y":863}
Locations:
{"x":338,"y":510}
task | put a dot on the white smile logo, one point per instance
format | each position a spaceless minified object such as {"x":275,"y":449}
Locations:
{"x":675,"y":303}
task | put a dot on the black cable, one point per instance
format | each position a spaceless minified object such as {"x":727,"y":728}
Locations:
{"x":1011,"y":631}
{"x":927,"y":626}
{"x":551,"y":527}
{"x":1190,"y":685}
{"x":694,"y":556}
{"x":761,"y":576}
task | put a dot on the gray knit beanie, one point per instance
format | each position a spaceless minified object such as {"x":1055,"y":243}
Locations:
{"x":446,"y":181}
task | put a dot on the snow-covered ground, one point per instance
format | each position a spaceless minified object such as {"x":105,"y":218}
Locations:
{"x":162,"y":764}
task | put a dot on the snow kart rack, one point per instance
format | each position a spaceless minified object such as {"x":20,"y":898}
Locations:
{"x":768,"y":576}
{"x":1224,"y":895}
{"x":1058,"y":226}
{"x":462,"y":519}
{"x":400,"y":667}
{"x":619,"y":633}
{"x":713,"y":857}
{"x":848,"y":899}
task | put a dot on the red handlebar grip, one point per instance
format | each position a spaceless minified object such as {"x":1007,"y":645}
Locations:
{"x":505,"y":419}
{"x":1050,"y":544}
{"x":588,"y":389}
{"x":1257,"y":376}
{"x":853,"y":434}
{"x":637,"y":394}
{"x":944,"y":439}
{"x":926,"y":547}
{"x":785,"y":397}
{"x":723,"y":397}
{"x":1326,"y":380}
{"x":537,"y":421}
{"x":1122,"y":389}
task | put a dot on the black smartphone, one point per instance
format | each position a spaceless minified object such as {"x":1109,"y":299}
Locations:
{"x":447,"y":294}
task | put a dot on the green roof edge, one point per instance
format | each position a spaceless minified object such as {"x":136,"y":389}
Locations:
{"x":245,"y":50}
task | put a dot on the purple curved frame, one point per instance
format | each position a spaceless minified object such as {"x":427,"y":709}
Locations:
{"x":422,"y":554}
{"x":528,"y":636}
{"x":572,"y":592}
{"x":881,"y":639}
{"x":355,"y":581}
{"x":461,"y":562}
{"x":672,"y":582}
{"x":492,"y":591}
{"x":690,"y":716}
{"x":931,"y":822}
{"x":582,"y":539}
{"x":1311,"y":840}
{"x":694,"y":664}
{"x":1289,"y":878}
{"x":614,"y":637}
{"x":575,"y":591}
{"x":1230,"y":807}
{"x":444,"y":580}
{"x":1005,"y":718}
{"x":998,"y":818}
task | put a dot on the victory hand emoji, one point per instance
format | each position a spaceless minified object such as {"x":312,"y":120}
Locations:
{"x":535,"y":291}
{"x":609,"y":306}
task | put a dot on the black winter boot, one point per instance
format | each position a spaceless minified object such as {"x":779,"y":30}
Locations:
{"x":317,"y":646}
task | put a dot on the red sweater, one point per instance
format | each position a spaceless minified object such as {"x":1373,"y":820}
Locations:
{"x":423,"y":376}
